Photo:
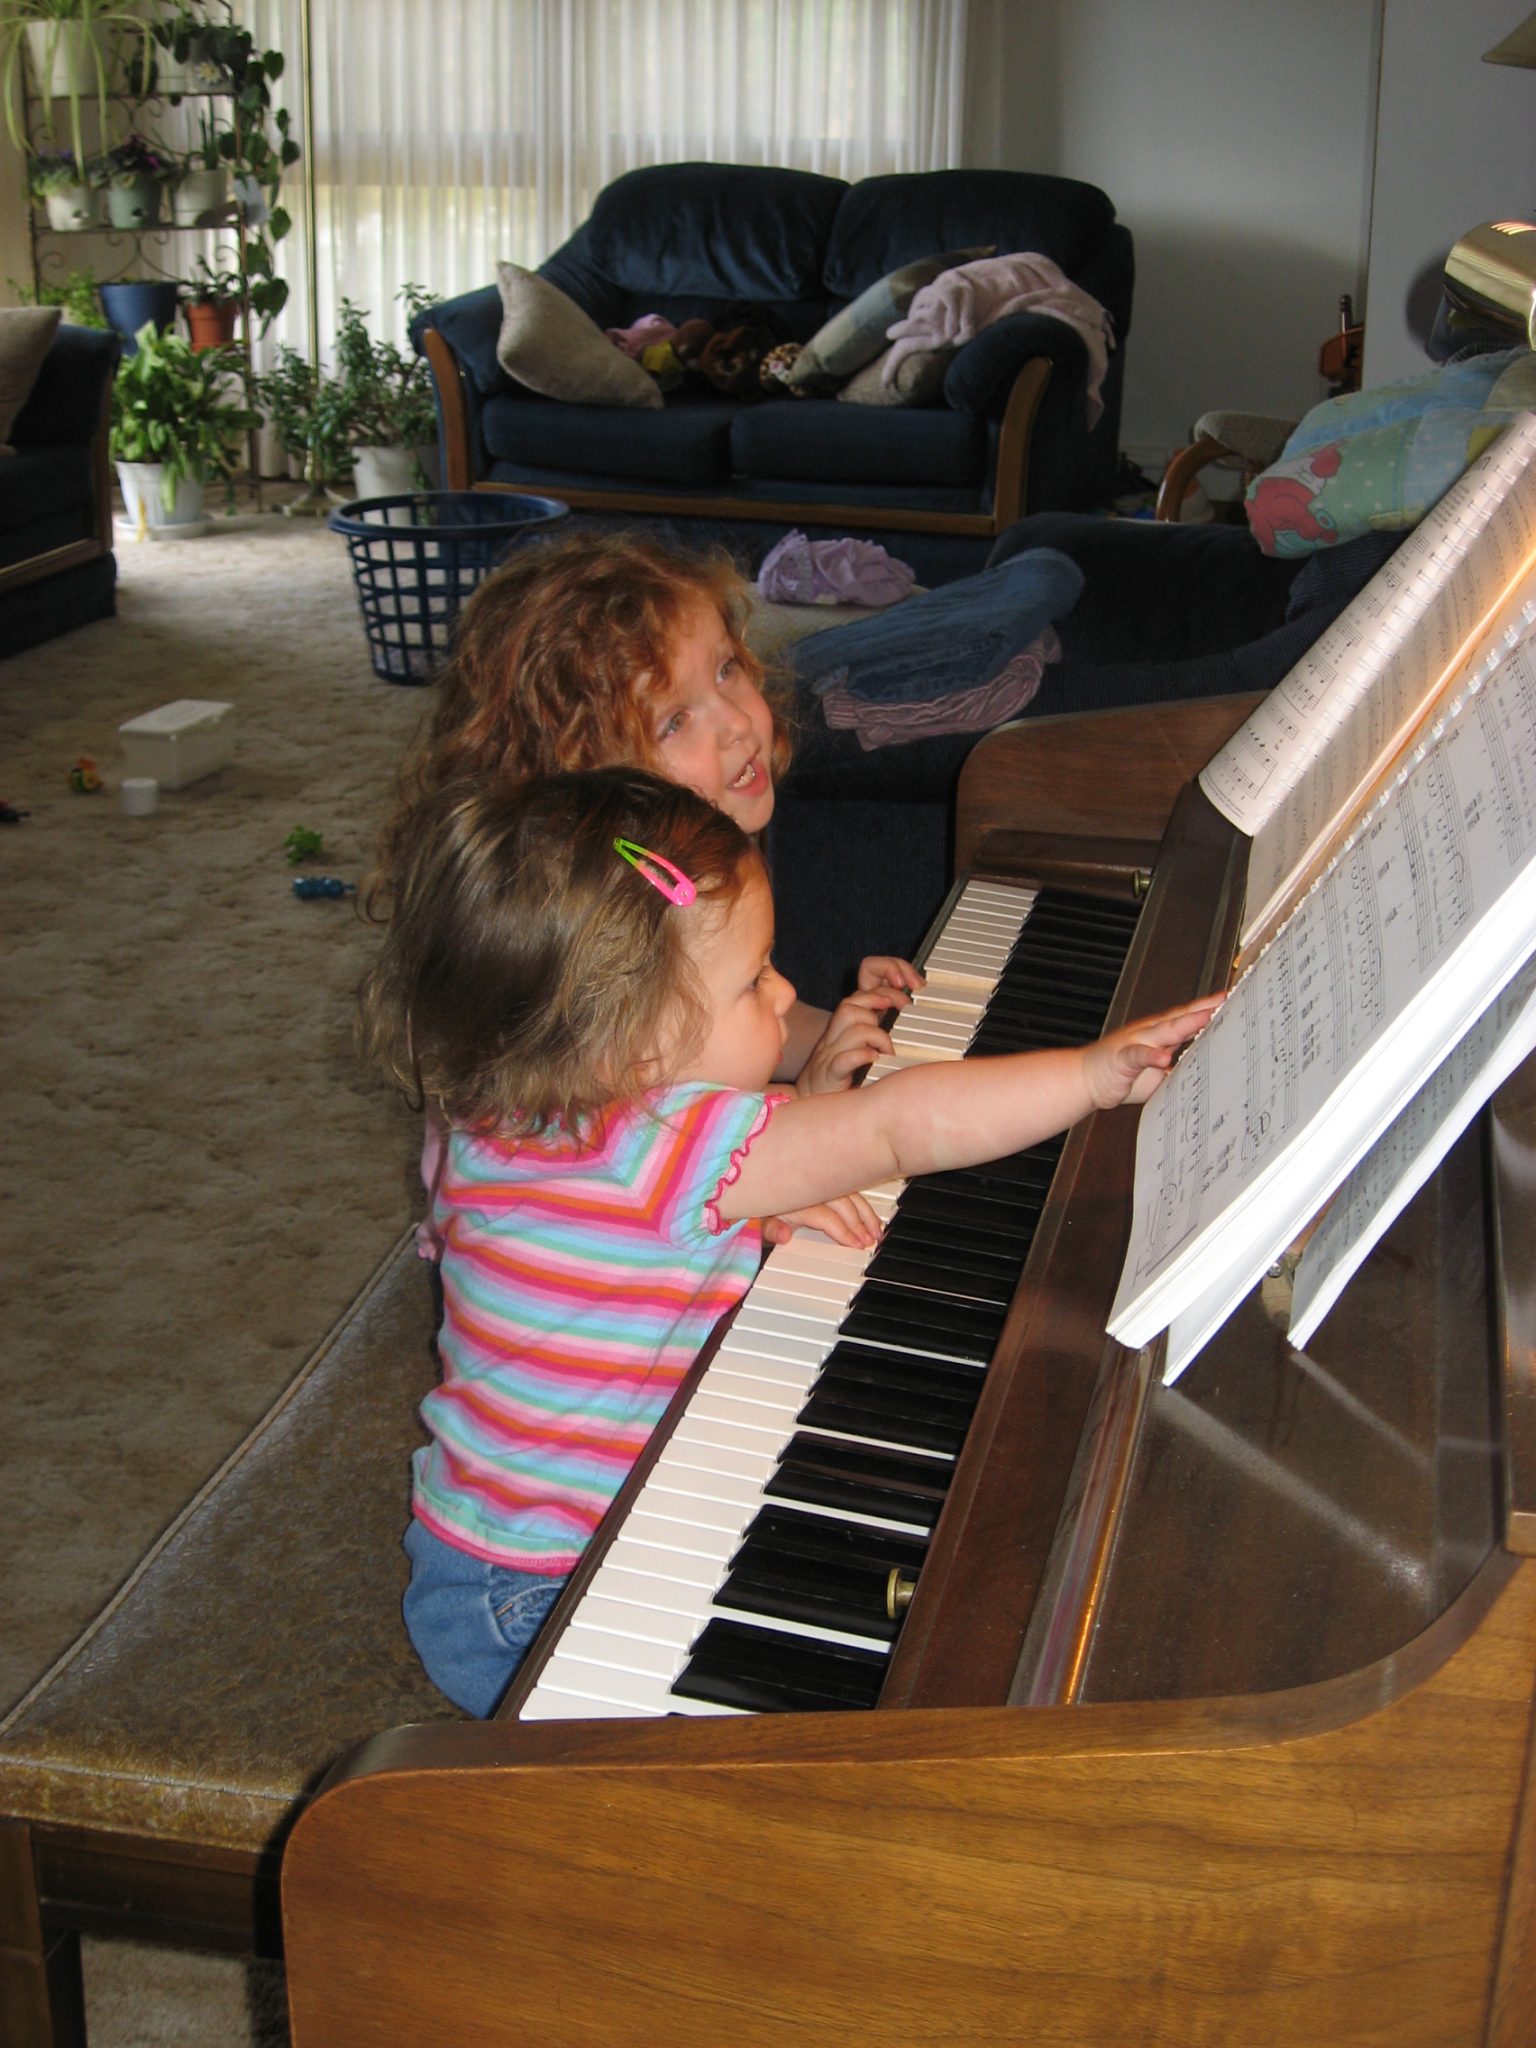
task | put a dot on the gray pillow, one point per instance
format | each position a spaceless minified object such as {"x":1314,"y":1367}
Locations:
{"x":857,"y":334}
{"x":918,"y":381}
{"x":550,"y":345}
{"x":26,"y":335}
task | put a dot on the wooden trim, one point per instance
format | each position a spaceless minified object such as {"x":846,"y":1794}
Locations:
{"x":454,"y":409}
{"x":37,"y":567}
{"x":1181,"y":472}
{"x":1050,"y":775}
{"x":793,"y":511}
{"x":1010,"y":484}
{"x":101,"y":466}
{"x":42,"y":1997}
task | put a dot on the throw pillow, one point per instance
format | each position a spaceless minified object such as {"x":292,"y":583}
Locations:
{"x":550,"y":345}
{"x":26,"y":335}
{"x":857,"y":334}
{"x":919,"y":379}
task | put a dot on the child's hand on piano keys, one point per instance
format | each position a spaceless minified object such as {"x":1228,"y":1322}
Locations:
{"x":849,"y":1220}
{"x":853,"y":1036}
{"x":1130,"y":1064}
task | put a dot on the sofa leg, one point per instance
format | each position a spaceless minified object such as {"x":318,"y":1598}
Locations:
{"x":42,"y":1996}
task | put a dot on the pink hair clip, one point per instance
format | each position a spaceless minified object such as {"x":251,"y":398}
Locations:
{"x":661,"y":874}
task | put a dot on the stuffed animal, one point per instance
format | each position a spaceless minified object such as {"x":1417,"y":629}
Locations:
{"x":776,"y":365}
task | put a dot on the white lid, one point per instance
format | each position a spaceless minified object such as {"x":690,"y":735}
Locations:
{"x":177,"y":717}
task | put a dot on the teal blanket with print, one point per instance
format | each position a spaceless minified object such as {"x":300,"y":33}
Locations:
{"x":1375,"y":461}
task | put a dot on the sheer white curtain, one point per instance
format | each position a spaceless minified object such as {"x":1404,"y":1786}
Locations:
{"x":452,"y":133}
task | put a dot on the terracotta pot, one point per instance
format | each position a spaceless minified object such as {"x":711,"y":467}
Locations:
{"x":213,"y":323}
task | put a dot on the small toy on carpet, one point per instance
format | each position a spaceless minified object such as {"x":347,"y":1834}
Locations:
{"x":309,"y":886}
{"x":83,"y":777}
{"x":9,"y":815}
{"x":303,"y":843}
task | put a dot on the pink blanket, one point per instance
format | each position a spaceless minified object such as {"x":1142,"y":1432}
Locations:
{"x":960,"y":302}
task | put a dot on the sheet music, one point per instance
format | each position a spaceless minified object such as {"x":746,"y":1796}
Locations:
{"x":1304,"y":761}
{"x":1385,"y":964}
{"x":1400,"y":1162}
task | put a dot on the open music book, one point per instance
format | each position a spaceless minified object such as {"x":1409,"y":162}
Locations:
{"x":1300,"y":769}
{"x":1411,"y":919}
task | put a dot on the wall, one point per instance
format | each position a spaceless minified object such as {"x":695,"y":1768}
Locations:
{"x":1234,"y":137}
{"x":1456,"y":145}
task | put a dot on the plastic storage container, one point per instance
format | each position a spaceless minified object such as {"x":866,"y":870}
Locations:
{"x":415,"y":559}
{"x":179,"y":743}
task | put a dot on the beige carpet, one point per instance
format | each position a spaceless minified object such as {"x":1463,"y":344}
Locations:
{"x":196,"y":1176}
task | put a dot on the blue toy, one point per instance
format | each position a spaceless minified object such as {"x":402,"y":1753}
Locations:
{"x":321,"y":885}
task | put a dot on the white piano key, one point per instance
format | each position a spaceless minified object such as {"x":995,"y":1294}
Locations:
{"x":646,"y":1592}
{"x":711,"y":1493}
{"x":758,"y":1415}
{"x":584,"y":1644}
{"x":783,"y":1625}
{"x":644,"y":1556}
{"x":796,"y":1346}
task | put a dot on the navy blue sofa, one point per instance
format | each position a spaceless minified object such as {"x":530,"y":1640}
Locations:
{"x":57,"y":569}
{"x":936,"y":483}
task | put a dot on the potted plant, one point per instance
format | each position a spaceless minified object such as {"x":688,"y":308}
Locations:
{"x":134,"y":174}
{"x":306,"y":412}
{"x":177,"y":418}
{"x":78,"y":295}
{"x":182,"y":62}
{"x":211,"y":302}
{"x":57,"y":178}
{"x":387,"y":398}
{"x":200,"y":196}
{"x":71,"y":48}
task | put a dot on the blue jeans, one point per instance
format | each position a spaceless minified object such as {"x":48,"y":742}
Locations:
{"x":471,"y":1623}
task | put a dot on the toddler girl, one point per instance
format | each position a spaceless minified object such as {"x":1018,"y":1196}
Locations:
{"x":577,"y":975}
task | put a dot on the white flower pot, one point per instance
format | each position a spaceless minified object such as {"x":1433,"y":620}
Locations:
{"x":389,"y":472}
{"x":144,"y":503}
{"x":200,"y":198}
{"x":133,"y":203}
{"x":72,"y":206}
{"x":62,"y":56}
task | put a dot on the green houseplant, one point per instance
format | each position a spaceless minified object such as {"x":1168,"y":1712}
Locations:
{"x":177,"y":418}
{"x":306,"y":412}
{"x":77,"y":295}
{"x":134,"y":173}
{"x":72,"y":48}
{"x":57,"y":179}
{"x":210,"y":298}
{"x":386,"y":396}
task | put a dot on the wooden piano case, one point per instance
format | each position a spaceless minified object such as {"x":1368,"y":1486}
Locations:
{"x":1211,"y":1721}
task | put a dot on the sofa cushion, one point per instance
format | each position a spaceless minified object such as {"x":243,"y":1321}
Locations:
{"x":26,"y":335}
{"x":688,"y":443}
{"x":887,"y":221}
{"x":548,"y":344}
{"x":857,"y":334}
{"x":732,"y":231}
{"x":819,"y":440}
{"x":919,"y":379}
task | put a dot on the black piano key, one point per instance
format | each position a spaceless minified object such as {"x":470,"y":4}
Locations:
{"x":985,"y":1220}
{"x":923,"y":1425}
{"x":857,"y":1479}
{"x":767,"y":1672}
{"x":816,"y":1574}
{"x":871,"y":1365}
{"x":944,"y":1270}
{"x":933,"y":1322}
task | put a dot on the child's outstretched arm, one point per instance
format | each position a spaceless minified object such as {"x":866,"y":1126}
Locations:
{"x":823,"y":1051}
{"x":931,"y":1119}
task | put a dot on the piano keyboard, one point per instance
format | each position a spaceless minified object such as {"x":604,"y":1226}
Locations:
{"x":811,"y":1462}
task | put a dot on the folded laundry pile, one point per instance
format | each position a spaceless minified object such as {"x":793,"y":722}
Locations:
{"x":960,"y":658}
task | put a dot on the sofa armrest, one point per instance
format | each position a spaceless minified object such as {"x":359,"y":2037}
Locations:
{"x":982,"y":374}
{"x":471,"y":326}
{"x":65,"y":403}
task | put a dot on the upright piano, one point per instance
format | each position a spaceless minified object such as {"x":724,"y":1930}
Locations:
{"x":1200,"y":1714}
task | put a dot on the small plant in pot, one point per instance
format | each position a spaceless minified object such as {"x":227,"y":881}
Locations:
{"x":387,"y":396}
{"x":200,"y":196}
{"x":135,"y":175}
{"x":57,"y":178}
{"x":306,"y":411}
{"x":211,"y":301}
{"x":178,"y":415}
{"x":65,"y":50}
{"x":78,"y":295}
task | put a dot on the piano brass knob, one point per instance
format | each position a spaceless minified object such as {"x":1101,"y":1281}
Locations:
{"x":1141,"y":882}
{"x":899,"y":1588}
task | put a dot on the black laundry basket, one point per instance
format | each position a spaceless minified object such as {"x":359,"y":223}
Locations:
{"x":415,"y":558}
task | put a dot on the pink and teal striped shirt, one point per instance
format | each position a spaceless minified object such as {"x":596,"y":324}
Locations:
{"x":578,"y":1287}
